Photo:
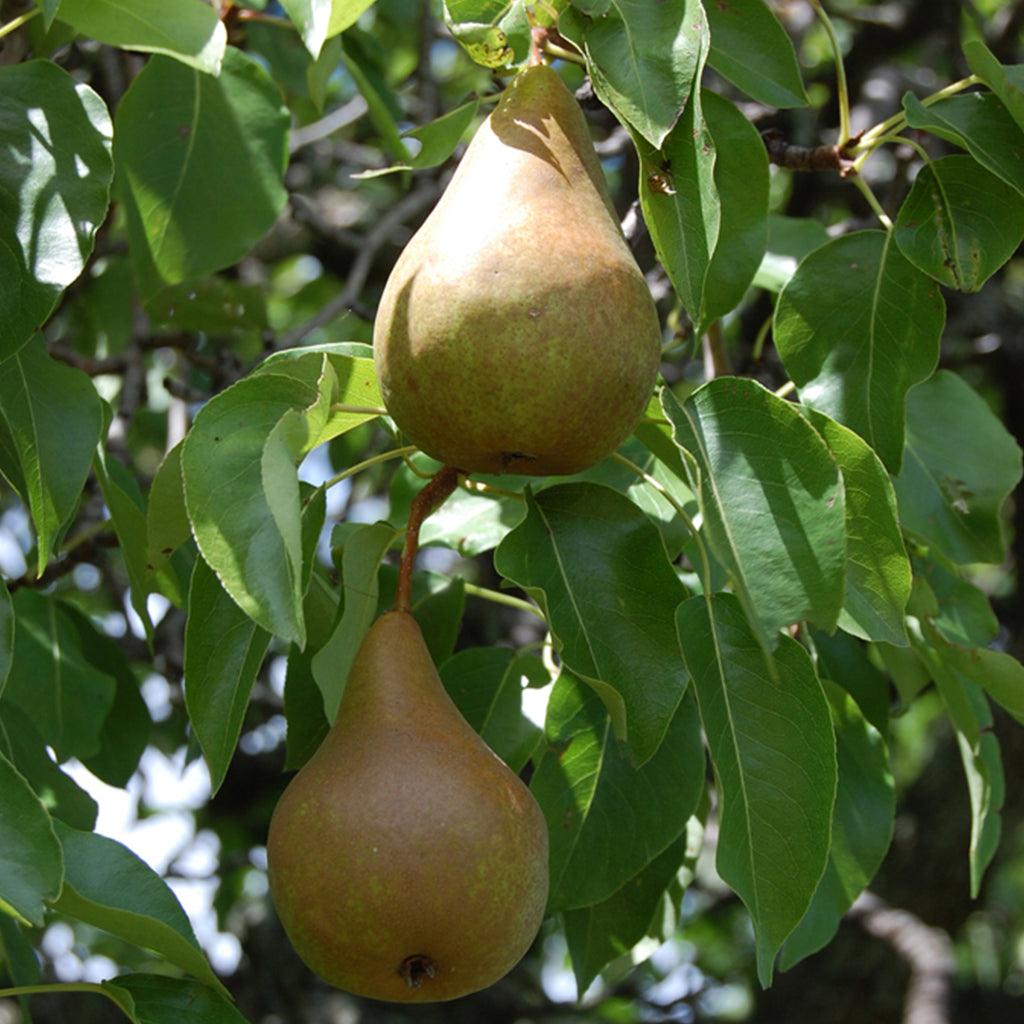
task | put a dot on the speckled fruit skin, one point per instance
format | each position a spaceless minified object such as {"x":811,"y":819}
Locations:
{"x":516,"y":332}
{"x":405,"y":837}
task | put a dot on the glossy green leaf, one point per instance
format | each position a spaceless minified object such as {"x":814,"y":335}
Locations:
{"x":166,"y":517}
{"x":790,"y":239}
{"x":998,"y":673}
{"x":187,"y":30}
{"x":771,"y":498}
{"x":608,"y":819}
{"x":643,"y":59}
{"x":312,"y":18}
{"x":611,"y":617}
{"x":56,"y":136}
{"x":224,"y":649}
{"x":979,"y":123}
{"x":108,"y":886}
{"x":156,"y":999}
{"x":964,"y":615}
{"x":200,"y":166}
{"x":960,"y":223}
{"x":753,"y":51}
{"x":486,"y":684}
{"x":345,"y":13}
{"x":960,"y":465}
{"x":360,"y":559}
{"x":437,"y":139}
{"x":773,"y":749}
{"x":857,"y":326}
{"x":861,"y":827}
{"x":6,"y":634}
{"x":52,"y":417}
{"x":878,"y":572}
{"x":472,"y":523}
{"x":31,"y":865}
{"x":1005,"y":80}
{"x":52,"y":681}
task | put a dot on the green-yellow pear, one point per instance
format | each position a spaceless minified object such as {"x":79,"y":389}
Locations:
{"x":516,"y":332}
{"x":406,"y":861}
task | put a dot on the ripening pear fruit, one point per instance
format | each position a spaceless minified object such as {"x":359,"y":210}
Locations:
{"x":406,"y":861}
{"x":516,"y":332}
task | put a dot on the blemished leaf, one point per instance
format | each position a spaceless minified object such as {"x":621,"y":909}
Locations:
{"x":771,"y":498}
{"x":773,"y":750}
{"x":156,"y":999}
{"x":611,"y":617}
{"x":57,"y":170}
{"x":242,"y":492}
{"x":126,"y":729}
{"x":312,"y":18}
{"x":6,"y":634}
{"x":964,"y":615}
{"x":108,"y":886}
{"x":493,"y":32}
{"x":790,"y":239}
{"x":960,"y":223}
{"x":979,"y":123}
{"x":1006,"y":81}
{"x":960,"y":465}
{"x":224,"y":649}
{"x":861,"y":827}
{"x":187,"y":30}
{"x":741,"y":179}
{"x":52,"y":418}
{"x":857,"y":326}
{"x":486,"y":685}
{"x":643,"y":59}
{"x":437,"y":139}
{"x":345,"y":13}
{"x":200,"y":166}
{"x":51,"y":680}
{"x":598,"y":934}
{"x":166,"y":517}
{"x":681,"y":204}
{"x":31,"y":864}
{"x":878,"y":572}
{"x":360,"y":559}
{"x":607,"y":818}
{"x":753,"y":51}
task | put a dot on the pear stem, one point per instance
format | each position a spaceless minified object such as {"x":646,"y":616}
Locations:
{"x":433,"y":494}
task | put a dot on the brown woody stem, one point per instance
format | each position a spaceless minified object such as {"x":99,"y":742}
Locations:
{"x":432,"y":495}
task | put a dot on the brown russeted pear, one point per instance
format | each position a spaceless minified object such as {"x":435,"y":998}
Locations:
{"x":516,"y":332}
{"x":406,"y":861}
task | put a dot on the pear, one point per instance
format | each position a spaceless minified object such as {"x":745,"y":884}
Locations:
{"x":406,"y":861}
{"x":516,"y":332}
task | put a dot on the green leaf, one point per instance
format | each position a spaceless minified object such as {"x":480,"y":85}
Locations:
{"x":741,"y":179}
{"x":643,"y":59}
{"x":31,"y":866}
{"x":608,"y":819}
{"x":166,"y":517}
{"x":53,"y":419}
{"x":52,"y":681}
{"x":472,"y":523}
{"x":964,"y":616}
{"x":312,"y":18}
{"x":319,"y":73}
{"x":303,"y":709}
{"x":861,"y":827}
{"x":598,"y":934}
{"x":108,"y":886}
{"x":979,"y":123}
{"x":844,"y":661}
{"x":378,"y":101}
{"x":857,"y":326}
{"x":126,"y":729}
{"x":493,"y":32}
{"x":360,"y":560}
{"x":960,"y":223}
{"x":960,"y":466}
{"x":1005,"y":80}
{"x":19,"y":958}
{"x":437,"y":139}
{"x":6,"y":634}
{"x":214,"y":305}
{"x":753,"y":51}
{"x":771,"y":500}
{"x":773,"y":749}
{"x":156,"y":999}
{"x":200,"y":164}
{"x":611,"y":617}
{"x":790,"y":239}
{"x":56,"y":175}
{"x":224,"y":649}
{"x":486,"y":684}
{"x":242,"y":491}
{"x":878,"y":572}
{"x":187,"y":30}
{"x":439,"y":615}
{"x":345,"y":13}
{"x":998,"y":673}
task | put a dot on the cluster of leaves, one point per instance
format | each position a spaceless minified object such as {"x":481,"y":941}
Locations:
{"x":748,"y":571}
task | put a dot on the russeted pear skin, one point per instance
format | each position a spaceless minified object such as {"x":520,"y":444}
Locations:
{"x":406,"y":861}
{"x":516,"y":332}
